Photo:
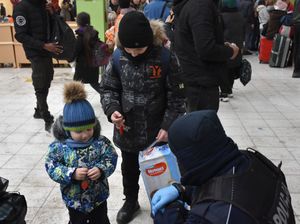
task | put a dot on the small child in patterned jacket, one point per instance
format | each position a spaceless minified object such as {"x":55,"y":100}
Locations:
{"x":80,"y":159}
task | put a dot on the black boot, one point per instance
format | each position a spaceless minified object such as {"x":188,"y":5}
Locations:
{"x":126,"y":213}
{"x":49,"y":120}
{"x":37,"y":114}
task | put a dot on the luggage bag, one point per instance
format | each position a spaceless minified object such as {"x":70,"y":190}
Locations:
{"x":281,"y":51}
{"x":265,"y":47}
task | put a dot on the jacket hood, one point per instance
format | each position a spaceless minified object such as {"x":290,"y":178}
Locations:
{"x":61,"y":135}
{"x":159,"y":34}
{"x":201,"y":146}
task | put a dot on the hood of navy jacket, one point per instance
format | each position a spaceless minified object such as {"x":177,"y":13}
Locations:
{"x":201,"y":147}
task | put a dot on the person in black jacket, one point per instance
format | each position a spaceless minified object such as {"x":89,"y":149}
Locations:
{"x":199,"y":45}
{"x":140,"y":95}
{"x":30,"y":21}
{"x":296,"y":56}
{"x":234,"y":31}
{"x":221,"y":183}
{"x":2,"y":11}
{"x":87,"y":37}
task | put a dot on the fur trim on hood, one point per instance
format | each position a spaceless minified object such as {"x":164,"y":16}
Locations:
{"x":60,"y":134}
{"x":159,"y":34}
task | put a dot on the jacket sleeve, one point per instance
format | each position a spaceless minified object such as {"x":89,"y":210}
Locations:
{"x":175,"y":93}
{"x":21,"y":25}
{"x":110,"y":88}
{"x":55,"y":165}
{"x":108,"y":159}
{"x":202,"y":23}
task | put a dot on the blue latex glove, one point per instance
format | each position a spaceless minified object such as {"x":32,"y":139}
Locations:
{"x":163,"y":197}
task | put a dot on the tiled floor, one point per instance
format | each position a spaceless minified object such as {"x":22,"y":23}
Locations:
{"x":264,"y":115}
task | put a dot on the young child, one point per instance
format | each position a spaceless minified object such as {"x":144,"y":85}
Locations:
{"x":80,"y":159}
{"x":87,"y":37}
{"x":141,"y":95}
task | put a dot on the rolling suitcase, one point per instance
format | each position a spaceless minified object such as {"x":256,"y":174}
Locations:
{"x":281,"y":51}
{"x":265,"y":47}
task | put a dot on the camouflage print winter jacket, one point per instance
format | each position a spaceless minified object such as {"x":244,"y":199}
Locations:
{"x":148,"y":94}
{"x":62,"y":161}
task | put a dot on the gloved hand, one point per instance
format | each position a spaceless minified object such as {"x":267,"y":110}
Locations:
{"x":163,"y":197}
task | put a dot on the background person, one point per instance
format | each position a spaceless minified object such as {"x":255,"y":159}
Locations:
{"x":30,"y":20}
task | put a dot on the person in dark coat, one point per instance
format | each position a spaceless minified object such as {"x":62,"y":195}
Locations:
{"x":30,"y":22}
{"x":87,"y":37}
{"x":234,"y":32}
{"x":199,"y":45}
{"x":141,"y":96}
{"x":221,"y":183}
{"x":296,"y":47}
{"x":274,"y":23}
{"x":2,"y":11}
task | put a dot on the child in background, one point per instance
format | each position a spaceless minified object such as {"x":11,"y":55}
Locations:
{"x":80,"y":159}
{"x":87,"y":38}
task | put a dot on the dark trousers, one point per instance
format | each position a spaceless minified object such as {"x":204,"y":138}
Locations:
{"x":131,"y":173}
{"x":203,"y":99}
{"x":97,"y":216}
{"x":42,"y":75}
{"x":227,"y":80}
{"x":297,"y":49}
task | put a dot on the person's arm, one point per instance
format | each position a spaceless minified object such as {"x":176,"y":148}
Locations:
{"x":111,"y":87}
{"x":55,"y":165}
{"x":201,"y":22}
{"x":175,"y":93}
{"x":107,"y":161}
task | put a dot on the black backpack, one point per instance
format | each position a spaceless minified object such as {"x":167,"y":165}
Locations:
{"x":61,"y":33}
{"x":13,"y":206}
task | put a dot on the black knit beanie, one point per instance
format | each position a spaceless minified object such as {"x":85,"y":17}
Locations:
{"x":135,"y":30}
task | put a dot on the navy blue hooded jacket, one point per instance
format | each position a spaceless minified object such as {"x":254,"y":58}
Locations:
{"x":204,"y":151}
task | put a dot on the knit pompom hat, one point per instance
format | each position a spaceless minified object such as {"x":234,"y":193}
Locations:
{"x":78,"y":113}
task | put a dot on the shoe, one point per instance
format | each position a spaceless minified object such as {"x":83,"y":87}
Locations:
{"x":37,"y":114}
{"x":224,"y":97}
{"x":126,"y":213}
{"x":48,"y":126}
{"x":296,"y":75}
{"x":49,"y":120}
{"x":247,"y":52}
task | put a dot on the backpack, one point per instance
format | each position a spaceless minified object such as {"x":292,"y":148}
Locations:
{"x":260,"y":191}
{"x":13,"y":207}
{"x":100,"y":54}
{"x":61,"y":33}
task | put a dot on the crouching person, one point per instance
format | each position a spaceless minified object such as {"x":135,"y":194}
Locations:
{"x":80,"y":159}
{"x":221,"y":183}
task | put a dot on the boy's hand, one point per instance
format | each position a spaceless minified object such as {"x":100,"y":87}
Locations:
{"x":162,"y":136}
{"x":117,"y":119}
{"x":80,"y":173}
{"x":94,"y":173}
